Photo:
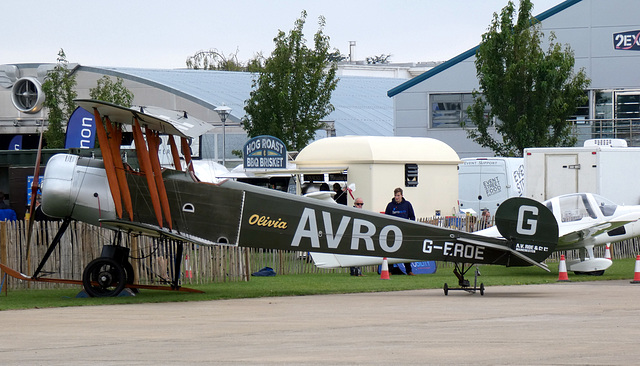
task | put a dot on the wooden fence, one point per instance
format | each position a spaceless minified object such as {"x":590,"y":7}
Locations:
{"x":153,"y":259}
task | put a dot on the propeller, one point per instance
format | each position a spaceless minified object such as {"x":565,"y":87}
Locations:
{"x":34,"y":195}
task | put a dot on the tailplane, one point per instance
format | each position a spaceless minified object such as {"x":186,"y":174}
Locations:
{"x":530,"y":228}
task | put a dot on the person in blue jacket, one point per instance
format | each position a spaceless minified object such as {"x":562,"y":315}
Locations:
{"x":6,"y":212}
{"x":399,"y":207}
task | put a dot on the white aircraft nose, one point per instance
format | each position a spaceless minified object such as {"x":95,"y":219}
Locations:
{"x":57,"y":184}
{"x":78,"y":188}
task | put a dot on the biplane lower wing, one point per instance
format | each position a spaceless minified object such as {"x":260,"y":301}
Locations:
{"x":154,"y":231}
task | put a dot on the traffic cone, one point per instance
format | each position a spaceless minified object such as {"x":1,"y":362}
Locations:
{"x":187,"y":267}
{"x":607,"y":252}
{"x":636,"y":276}
{"x":384,"y":271}
{"x":562,"y":270}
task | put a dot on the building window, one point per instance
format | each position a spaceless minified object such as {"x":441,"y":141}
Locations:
{"x":604,"y":104}
{"x":411,"y":175}
{"x":582,"y":112}
{"x":449,"y":110}
{"x":628,"y":105}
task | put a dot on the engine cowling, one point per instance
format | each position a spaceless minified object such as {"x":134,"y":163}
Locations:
{"x":76,"y":187}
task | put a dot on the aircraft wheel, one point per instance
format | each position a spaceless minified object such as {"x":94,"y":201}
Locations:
{"x":482,"y":289}
{"x":446,"y":289}
{"x":104,"y":277}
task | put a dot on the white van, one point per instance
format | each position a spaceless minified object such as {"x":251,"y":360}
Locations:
{"x":484,"y":183}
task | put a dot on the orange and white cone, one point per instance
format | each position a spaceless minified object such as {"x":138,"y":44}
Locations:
{"x":607,"y":252}
{"x":187,"y":267}
{"x":562,"y":270}
{"x":636,"y":276}
{"x":384,"y":271}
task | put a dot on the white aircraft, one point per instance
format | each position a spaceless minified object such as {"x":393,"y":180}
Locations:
{"x":585,"y":220}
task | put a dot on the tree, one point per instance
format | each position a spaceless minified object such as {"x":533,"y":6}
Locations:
{"x":108,"y":91}
{"x":293,"y":92}
{"x":59,"y":95}
{"x":532,"y":93}
{"x":216,"y":60}
{"x":376,"y":60}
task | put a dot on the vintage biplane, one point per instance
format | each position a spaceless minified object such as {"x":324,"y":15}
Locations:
{"x":174,"y":204}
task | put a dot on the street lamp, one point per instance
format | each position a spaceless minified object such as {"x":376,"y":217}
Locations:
{"x":223,"y":112}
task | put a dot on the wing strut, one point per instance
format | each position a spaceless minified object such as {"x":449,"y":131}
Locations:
{"x":109,"y":166}
{"x":153,"y":140}
{"x":147,"y":170}
{"x":186,"y":151}
{"x":174,"y":154}
{"x":115,"y":136}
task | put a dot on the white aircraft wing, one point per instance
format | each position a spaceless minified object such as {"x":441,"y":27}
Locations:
{"x":571,"y":235}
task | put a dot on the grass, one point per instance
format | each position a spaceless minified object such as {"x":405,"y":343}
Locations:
{"x":310,"y":284}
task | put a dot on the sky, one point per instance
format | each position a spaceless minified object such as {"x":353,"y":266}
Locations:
{"x":162,"y":34}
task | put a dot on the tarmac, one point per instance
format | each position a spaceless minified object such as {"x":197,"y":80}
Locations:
{"x":564,"y":323}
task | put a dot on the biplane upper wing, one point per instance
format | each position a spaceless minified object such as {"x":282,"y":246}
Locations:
{"x":155,"y":118}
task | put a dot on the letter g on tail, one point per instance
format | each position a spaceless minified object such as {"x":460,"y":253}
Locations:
{"x":527,"y":220}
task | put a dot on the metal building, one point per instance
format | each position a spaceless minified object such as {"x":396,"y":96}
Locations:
{"x":604,"y":38}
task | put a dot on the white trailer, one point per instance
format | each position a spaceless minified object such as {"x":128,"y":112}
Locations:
{"x":603,"y":166}
{"x":484,"y":183}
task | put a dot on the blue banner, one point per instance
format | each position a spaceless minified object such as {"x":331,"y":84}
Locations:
{"x":426,"y":267}
{"x":81,"y":130}
{"x":16,"y":143}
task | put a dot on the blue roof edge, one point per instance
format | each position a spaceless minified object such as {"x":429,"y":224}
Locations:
{"x":463,"y":56}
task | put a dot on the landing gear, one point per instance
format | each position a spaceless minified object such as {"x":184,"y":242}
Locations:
{"x":104,"y":277}
{"x":109,"y":274}
{"x":460,"y":270}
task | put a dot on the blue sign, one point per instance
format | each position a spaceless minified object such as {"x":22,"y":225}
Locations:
{"x":81,"y":130}
{"x":16,"y":143}
{"x":265,"y":152}
{"x":627,"y":41}
{"x":29,"y":184}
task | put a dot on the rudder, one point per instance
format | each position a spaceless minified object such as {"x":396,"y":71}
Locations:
{"x":530,"y":227}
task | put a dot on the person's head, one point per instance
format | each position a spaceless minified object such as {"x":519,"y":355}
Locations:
{"x":324,"y":187}
{"x":358,"y":203}
{"x":397,"y":195}
{"x":337,"y":187}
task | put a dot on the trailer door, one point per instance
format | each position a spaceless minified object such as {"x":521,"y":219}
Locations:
{"x":561,"y":174}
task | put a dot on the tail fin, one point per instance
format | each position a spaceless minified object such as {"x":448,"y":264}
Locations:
{"x":530,"y":228}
